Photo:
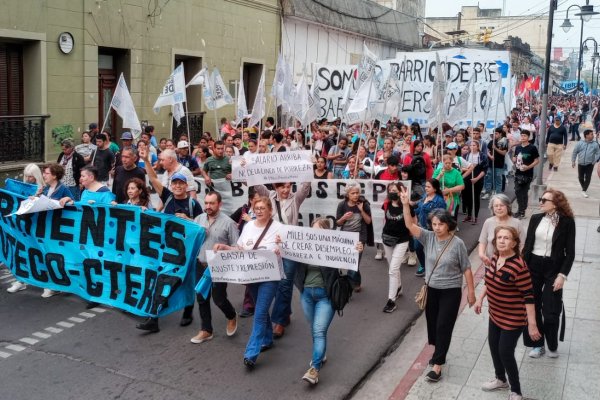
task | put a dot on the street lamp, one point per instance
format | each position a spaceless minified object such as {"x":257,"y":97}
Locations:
{"x":595,"y":58}
{"x":585,"y":13}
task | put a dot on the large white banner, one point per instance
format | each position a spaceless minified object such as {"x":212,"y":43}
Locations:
{"x":263,"y":168}
{"x":326,"y":248}
{"x":322,"y":201}
{"x":243,"y":267}
{"x":415,"y":73}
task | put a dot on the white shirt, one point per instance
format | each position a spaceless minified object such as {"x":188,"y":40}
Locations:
{"x":543,"y":238}
{"x":251,"y":233}
{"x":165,"y":180}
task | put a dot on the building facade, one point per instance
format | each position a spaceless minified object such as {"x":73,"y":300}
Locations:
{"x":60,"y":61}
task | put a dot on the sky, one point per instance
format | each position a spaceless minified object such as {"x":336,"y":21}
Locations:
{"x":447,"y":8}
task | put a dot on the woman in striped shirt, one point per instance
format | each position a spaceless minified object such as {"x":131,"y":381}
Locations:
{"x":511,"y":308}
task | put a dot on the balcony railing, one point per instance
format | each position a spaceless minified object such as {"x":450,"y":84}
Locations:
{"x":196,"y":126}
{"x":22,"y":138}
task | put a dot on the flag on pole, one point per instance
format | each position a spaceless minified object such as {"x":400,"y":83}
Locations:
{"x":359,"y":106}
{"x":122,"y":103}
{"x":461,"y":108}
{"x":242,"y":109}
{"x":367,"y":64}
{"x":258,"y":108}
{"x":438,"y":95}
{"x":313,"y":101}
{"x":300,"y":105}
{"x":216,"y":94}
{"x":173,"y":92}
{"x":198,"y":79}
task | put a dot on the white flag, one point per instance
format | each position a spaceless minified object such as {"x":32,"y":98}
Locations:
{"x":314,"y":96}
{"x":438,"y":95}
{"x":461,"y":108}
{"x":367,"y":64}
{"x":258,"y":108}
{"x":178,"y":112}
{"x":242,"y":108}
{"x":277,"y":90}
{"x":199,"y":78}
{"x":300,"y":105}
{"x":174,"y":90}
{"x":217,"y":95}
{"x":123,"y":105}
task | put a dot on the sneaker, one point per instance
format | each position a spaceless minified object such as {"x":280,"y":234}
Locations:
{"x":494,"y":384}
{"x":249,"y":364}
{"x":537,"y":352}
{"x":485,"y":196}
{"x":48,"y":293}
{"x":420,"y":271}
{"x":379,"y":255}
{"x":323,"y":361}
{"x":16,"y":287}
{"x":399,"y":292}
{"x":150,"y":325}
{"x":311,"y":376}
{"x":201,"y":337}
{"x":433,"y":376}
{"x":412,"y":258}
{"x":232,"y":326}
{"x":246,"y":313}
{"x":584,"y":193}
{"x":514,"y":396}
{"x":552,"y":354}
{"x":390,"y":306}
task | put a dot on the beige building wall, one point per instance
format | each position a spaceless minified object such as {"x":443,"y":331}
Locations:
{"x":531,"y":30}
{"x":221,"y":33}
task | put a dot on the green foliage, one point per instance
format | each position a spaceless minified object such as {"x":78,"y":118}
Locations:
{"x":62,"y":132}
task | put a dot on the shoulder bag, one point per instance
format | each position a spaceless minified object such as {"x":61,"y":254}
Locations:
{"x":421,"y":296}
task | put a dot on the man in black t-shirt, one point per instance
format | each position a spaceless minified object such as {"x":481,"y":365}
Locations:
{"x":176,"y":202}
{"x":103,"y":158}
{"x":526,"y":157}
{"x":497,"y":149}
{"x":124,"y":172}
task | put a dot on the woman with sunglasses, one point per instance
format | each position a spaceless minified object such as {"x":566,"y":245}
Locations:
{"x":549,"y":252}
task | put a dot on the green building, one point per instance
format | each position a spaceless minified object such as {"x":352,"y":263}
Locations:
{"x":60,"y":61}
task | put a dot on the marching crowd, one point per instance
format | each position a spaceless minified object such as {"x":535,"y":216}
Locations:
{"x":450,"y":170}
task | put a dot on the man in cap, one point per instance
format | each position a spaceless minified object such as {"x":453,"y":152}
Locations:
{"x":184,"y":158}
{"x":168,"y":161}
{"x":178,"y":202}
{"x":93,"y":130}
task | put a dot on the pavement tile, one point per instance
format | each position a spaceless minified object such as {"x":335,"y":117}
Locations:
{"x":541,"y":389}
{"x":468,"y":393}
{"x":455,"y":373}
{"x":439,"y":391}
{"x":585,"y":331}
{"x":552,"y":373}
{"x":581,"y":382}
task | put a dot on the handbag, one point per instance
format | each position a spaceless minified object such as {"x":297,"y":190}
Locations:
{"x":421,"y":296}
{"x":389,"y":240}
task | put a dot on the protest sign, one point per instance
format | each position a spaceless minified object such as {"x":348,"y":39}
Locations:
{"x":322,"y":201}
{"x":322,"y":247}
{"x":37,"y":204}
{"x":139,"y":261}
{"x":263,"y":168}
{"x":21,"y":188}
{"x":244,"y":266}
{"x":417,"y":70}
{"x":333,"y":80}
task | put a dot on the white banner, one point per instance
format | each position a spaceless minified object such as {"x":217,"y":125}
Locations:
{"x":173,"y":92}
{"x":243,"y":267}
{"x":322,"y":247}
{"x":263,"y":168}
{"x":334,"y":81}
{"x":37,"y":204}
{"x":322,"y":201}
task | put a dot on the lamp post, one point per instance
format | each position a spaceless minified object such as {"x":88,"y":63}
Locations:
{"x":595,"y":58}
{"x":585,"y":13}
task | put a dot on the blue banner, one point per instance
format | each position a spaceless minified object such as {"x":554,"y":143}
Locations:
{"x":18,"y":187}
{"x":139,"y":261}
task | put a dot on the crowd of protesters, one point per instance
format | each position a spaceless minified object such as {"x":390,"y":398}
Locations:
{"x":450,"y":172}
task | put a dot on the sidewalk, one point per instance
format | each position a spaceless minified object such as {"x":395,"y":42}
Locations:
{"x":571,"y":376}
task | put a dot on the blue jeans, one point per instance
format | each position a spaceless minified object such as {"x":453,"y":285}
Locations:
{"x":495,"y":180}
{"x":282,"y":309}
{"x":319,"y":314}
{"x":262,"y":331}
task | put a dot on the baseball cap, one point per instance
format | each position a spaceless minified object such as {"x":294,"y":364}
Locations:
{"x":182,"y":144}
{"x":452,"y":146}
{"x":178,"y":176}
{"x":93,"y":125}
{"x":126,"y":136}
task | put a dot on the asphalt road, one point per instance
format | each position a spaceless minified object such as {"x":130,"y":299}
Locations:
{"x":55,"y":349}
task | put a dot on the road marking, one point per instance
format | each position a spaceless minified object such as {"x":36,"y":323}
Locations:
{"x":87,"y":314}
{"x":5,"y":277}
{"x":75,"y":319}
{"x":28,"y":340}
{"x":52,"y":329}
{"x":41,"y":335}
{"x":65,"y":324}
{"x":5,"y":355}
{"x":99,"y":309}
{"x":15,"y":347}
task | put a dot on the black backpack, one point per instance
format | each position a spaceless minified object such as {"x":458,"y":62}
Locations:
{"x":418,"y":168}
{"x":339,"y":292}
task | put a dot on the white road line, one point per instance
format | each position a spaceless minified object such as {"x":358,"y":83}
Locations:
{"x":99,"y":309}
{"x":5,"y":355}
{"x":52,"y":329}
{"x":65,"y":324}
{"x":15,"y":347}
{"x":87,"y":314}
{"x":41,"y":335}
{"x":5,"y":277}
{"x":28,"y":340}
{"x":75,"y":319}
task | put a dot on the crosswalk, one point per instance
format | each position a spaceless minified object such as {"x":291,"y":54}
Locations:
{"x":6,"y":278}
